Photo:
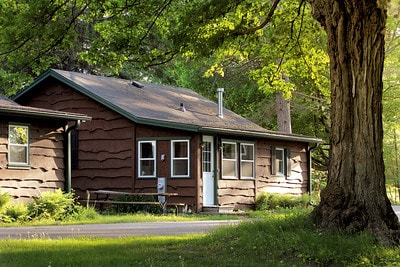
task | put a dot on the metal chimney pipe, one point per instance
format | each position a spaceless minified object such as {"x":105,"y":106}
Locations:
{"x":220,"y":105}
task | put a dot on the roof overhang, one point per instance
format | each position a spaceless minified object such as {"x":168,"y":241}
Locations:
{"x":266,"y":135}
{"x":39,"y":113}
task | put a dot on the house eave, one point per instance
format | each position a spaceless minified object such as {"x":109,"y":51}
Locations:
{"x":266,"y":135}
{"x":43,"y":114}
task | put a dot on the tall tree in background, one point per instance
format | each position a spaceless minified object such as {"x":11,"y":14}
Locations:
{"x":355,"y":197}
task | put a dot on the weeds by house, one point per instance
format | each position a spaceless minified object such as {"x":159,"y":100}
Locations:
{"x":282,"y":237}
{"x":268,"y":201}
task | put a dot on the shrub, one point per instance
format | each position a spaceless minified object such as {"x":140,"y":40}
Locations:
{"x":16,"y":213}
{"x":5,"y":199}
{"x":52,"y":205}
{"x":265,"y":201}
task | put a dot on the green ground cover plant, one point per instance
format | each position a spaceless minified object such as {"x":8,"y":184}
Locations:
{"x":283,"y":237}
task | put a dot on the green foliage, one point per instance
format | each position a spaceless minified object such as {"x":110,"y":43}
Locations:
{"x":267,"y":201}
{"x":83,"y":213}
{"x":16,"y":213}
{"x":52,"y":205}
{"x":5,"y":199}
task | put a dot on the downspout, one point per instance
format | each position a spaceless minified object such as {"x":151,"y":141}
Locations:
{"x":68,"y":160}
{"x":309,"y":186}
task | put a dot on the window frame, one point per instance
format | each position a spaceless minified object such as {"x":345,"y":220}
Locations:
{"x":235,"y":160}
{"x":252,"y":161}
{"x":173,"y":158}
{"x":19,"y":165}
{"x":140,"y":159}
{"x":286,"y":166}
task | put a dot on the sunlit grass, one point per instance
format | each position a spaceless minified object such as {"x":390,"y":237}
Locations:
{"x":280,"y":238}
{"x":126,"y":218}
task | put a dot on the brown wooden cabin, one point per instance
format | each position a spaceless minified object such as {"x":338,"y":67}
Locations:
{"x":32,"y":149}
{"x":139,"y":131}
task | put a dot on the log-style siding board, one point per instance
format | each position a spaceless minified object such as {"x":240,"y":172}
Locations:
{"x":116,"y":183}
{"x":32,"y":174}
{"x":46,"y":160}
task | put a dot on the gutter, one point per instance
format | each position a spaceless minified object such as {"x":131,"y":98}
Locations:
{"x":269,"y":135}
{"x":68,"y":159}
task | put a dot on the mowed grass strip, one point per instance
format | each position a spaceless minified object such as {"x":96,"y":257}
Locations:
{"x":284,"y":238}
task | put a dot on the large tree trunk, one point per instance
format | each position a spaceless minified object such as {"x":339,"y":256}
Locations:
{"x":355,"y":196}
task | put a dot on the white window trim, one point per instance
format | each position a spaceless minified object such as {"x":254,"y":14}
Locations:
{"x":153,"y":143}
{"x":283,"y":159}
{"x":235,"y":160}
{"x":244,"y":153}
{"x":27,"y":145}
{"x":184,"y":158}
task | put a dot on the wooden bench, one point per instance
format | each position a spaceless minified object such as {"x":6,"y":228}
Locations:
{"x":108,"y":193}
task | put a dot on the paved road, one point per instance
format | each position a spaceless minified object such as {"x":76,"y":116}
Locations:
{"x":113,"y":230}
{"x":119,"y":230}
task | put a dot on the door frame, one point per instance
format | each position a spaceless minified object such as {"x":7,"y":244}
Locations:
{"x":209,"y":190}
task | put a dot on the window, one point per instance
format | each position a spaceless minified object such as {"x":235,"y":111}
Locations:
{"x":229,"y":160}
{"x":180,"y":158}
{"x":147,"y":159}
{"x":280,"y":161}
{"x":18,"y":145}
{"x":207,"y":156}
{"x":247,"y":161}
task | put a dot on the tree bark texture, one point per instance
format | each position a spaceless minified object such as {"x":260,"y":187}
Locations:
{"x":283,"y":113}
{"x":355,"y":197}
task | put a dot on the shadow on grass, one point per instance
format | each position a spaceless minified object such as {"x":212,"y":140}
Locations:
{"x":279,"y":239}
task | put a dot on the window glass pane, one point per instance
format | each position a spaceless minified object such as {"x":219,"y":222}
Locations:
{"x":18,"y":135}
{"x":180,"y":167}
{"x":229,"y":150}
{"x":147,"y":168}
{"x":18,"y":154}
{"x":247,"y":152}
{"x":180,"y":149}
{"x":146,"y":150}
{"x":279,"y":162}
{"x":229,"y":169}
{"x":247,"y":170}
{"x":207,"y":153}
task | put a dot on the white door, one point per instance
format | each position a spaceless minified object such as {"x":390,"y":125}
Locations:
{"x":208,"y":171}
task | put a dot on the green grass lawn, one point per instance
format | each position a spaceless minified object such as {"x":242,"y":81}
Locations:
{"x":284,"y":238}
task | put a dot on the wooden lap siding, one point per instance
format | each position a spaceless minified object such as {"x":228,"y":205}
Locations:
{"x":105,"y":156}
{"x":241,"y":194}
{"x":187,"y":188}
{"x":46,"y":171}
{"x":296,"y":183}
{"x":107,"y":148}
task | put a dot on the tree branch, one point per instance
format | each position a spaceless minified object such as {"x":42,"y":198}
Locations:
{"x":264,"y":23}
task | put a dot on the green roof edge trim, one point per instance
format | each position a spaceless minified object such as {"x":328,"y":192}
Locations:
{"x":268,"y":135}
